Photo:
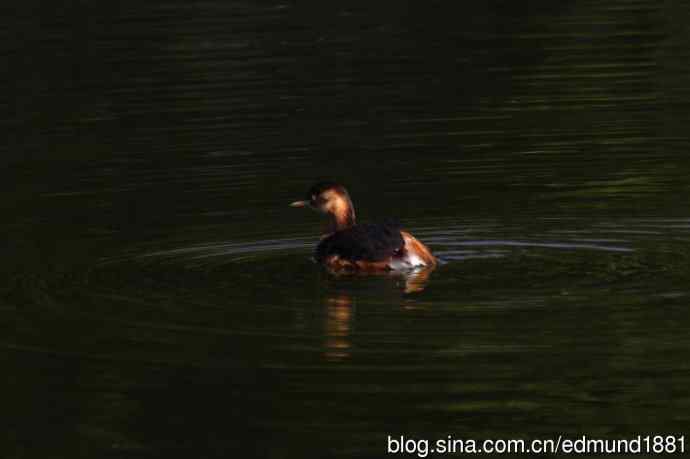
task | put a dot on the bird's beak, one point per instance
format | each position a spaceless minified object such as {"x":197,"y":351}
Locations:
{"x":299,"y":204}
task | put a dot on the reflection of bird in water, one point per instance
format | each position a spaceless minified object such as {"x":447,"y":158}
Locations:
{"x":340,"y":312}
{"x":415,"y":281}
{"x":347,"y":246}
{"x":338,"y":326}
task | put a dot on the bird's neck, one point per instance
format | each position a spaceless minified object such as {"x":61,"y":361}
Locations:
{"x":341,"y":217}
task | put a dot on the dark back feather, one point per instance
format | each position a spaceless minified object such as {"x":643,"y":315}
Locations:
{"x":365,"y":242}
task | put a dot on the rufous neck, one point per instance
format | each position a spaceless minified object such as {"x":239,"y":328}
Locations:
{"x":341,"y":216}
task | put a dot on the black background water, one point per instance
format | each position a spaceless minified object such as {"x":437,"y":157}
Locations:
{"x":158,"y":299}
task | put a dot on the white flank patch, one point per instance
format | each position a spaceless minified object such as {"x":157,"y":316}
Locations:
{"x":409,"y":261}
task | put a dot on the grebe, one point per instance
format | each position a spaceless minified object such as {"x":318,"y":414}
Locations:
{"x":346,"y":245}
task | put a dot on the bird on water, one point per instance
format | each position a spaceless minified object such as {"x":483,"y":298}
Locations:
{"x":348,"y":246}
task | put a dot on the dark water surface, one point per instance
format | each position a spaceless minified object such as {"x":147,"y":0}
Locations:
{"x":158,"y":299}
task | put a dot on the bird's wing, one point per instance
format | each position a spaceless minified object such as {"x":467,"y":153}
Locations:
{"x":365,"y":242}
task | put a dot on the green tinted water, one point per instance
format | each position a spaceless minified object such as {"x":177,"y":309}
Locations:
{"x":158,"y":298}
